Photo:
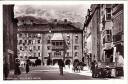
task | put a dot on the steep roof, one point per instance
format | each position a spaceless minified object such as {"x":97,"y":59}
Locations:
{"x":57,"y":36}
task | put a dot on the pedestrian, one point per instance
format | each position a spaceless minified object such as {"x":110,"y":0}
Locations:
{"x":61,"y":65}
{"x":93,"y":68}
{"x":17,"y":68}
{"x":69,"y":65}
{"x":27,"y":66}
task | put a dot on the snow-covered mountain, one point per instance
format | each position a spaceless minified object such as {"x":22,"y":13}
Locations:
{"x":73,"y":13}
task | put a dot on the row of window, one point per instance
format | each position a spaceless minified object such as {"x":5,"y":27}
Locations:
{"x":34,"y":55}
{"x":29,"y":41}
{"x":30,"y":48}
{"x":67,"y":54}
{"x":29,"y":35}
{"x":75,"y":47}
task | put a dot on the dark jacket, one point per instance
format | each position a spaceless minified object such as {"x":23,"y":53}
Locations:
{"x":61,"y":63}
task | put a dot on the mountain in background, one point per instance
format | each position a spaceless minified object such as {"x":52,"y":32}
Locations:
{"x":76,"y":13}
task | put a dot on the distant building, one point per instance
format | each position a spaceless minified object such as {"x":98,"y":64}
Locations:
{"x":59,"y":39}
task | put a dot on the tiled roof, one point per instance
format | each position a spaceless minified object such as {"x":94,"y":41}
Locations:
{"x":57,"y":36}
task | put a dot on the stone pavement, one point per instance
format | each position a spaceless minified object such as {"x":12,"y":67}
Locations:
{"x":53,"y":71}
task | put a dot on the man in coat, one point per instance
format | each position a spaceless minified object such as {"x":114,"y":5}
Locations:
{"x":61,"y":65}
{"x":93,"y":68}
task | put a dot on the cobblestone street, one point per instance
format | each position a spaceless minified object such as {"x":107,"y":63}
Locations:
{"x":52,"y":73}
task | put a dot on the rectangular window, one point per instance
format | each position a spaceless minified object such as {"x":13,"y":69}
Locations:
{"x":48,"y":41}
{"x":38,"y":54}
{"x":68,"y":42}
{"x":20,"y":47}
{"x":20,"y":42}
{"x":20,"y":35}
{"x":25,"y":41}
{"x":57,"y":43}
{"x":38,"y":47}
{"x":60,"y":43}
{"x":67,"y":54}
{"x":38,"y":41}
{"x":34,"y":54}
{"x":49,"y":54}
{"x":76,"y":54}
{"x":68,"y":37}
{"x":108,"y":13}
{"x":48,"y":47}
{"x":34,"y":47}
{"x":76,"y":47}
{"x":76,"y":39}
{"x":29,"y":41}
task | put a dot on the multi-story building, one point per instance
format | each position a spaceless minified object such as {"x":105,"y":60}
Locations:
{"x":92,"y":34}
{"x":103,"y":33}
{"x":106,"y":32}
{"x":59,"y":39}
{"x":112,"y":31}
{"x":9,"y":38}
{"x":29,"y":45}
{"x":118,"y":27}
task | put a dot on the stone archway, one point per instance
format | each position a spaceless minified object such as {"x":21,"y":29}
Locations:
{"x":76,"y":61}
{"x":67,"y":62}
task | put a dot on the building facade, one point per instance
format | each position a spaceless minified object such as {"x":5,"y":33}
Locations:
{"x":103,"y":33}
{"x":29,"y":45}
{"x":9,"y":39}
{"x":92,"y":34}
{"x":59,"y":39}
{"x":118,"y":27}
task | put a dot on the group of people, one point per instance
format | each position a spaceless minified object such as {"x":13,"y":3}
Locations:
{"x":37,"y":62}
{"x":17,"y":66}
{"x":78,"y":66}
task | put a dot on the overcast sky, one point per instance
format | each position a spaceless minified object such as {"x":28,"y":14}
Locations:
{"x":74,"y":13}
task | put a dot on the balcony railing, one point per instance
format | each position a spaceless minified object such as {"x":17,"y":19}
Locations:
{"x":57,"y":47}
